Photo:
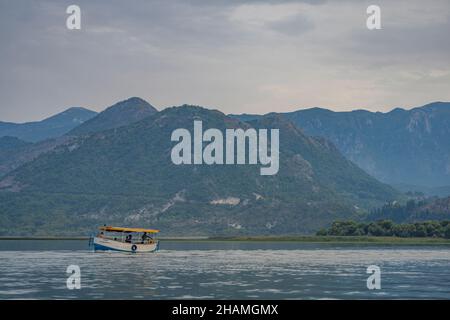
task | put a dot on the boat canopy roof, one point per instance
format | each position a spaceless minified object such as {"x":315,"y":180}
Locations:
{"x":120,"y":229}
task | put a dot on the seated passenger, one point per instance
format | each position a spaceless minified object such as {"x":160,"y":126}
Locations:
{"x":145,"y":237}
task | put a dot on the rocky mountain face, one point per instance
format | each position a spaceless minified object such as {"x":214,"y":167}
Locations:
{"x":401,"y":147}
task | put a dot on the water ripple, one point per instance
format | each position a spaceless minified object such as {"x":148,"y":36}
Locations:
{"x":321,"y":273}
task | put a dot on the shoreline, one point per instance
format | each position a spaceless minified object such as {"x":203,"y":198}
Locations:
{"x":301,"y":239}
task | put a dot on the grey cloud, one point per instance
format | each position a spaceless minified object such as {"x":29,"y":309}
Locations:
{"x":293,"y":26}
{"x":292,"y":54}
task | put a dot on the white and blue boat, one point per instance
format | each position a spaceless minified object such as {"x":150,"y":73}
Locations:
{"x":134,"y":240}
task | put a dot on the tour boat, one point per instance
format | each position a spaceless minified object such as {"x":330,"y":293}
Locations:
{"x":125,"y":239}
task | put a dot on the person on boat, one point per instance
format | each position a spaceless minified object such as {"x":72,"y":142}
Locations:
{"x":145,"y":237}
{"x":128,"y":238}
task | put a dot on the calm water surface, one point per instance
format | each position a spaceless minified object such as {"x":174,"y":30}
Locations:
{"x":224,"y":270}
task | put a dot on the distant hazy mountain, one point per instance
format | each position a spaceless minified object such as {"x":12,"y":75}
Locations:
{"x":125,"y":176}
{"x":409,"y":147}
{"x":121,"y":114}
{"x":52,"y":127}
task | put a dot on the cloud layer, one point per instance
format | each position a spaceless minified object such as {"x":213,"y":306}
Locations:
{"x":236,"y":56}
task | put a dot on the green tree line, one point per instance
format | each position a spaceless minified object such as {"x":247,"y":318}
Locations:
{"x":387,"y":228}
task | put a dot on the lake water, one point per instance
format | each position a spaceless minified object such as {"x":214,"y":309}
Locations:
{"x":224,"y":270}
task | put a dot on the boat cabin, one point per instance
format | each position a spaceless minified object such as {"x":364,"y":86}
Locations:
{"x":128,"y":235}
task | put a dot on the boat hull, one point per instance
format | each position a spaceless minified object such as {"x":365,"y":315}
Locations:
{"x":101,"y":244}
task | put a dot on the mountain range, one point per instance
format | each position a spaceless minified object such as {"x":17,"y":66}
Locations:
{"x":115,"y":168}
{"x":125,"y":176}
{"x":405,"y":148}
{"x":120,"y":114}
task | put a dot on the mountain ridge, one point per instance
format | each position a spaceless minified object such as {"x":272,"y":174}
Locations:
{"x":125,"y":176}
{"x":128,"y":111}
{"x":120,"y":114}
{"x":51,"y":127}
{"x":398,"y":147}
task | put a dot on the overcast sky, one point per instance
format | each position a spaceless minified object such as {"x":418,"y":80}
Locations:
{"x":235,"y":56}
